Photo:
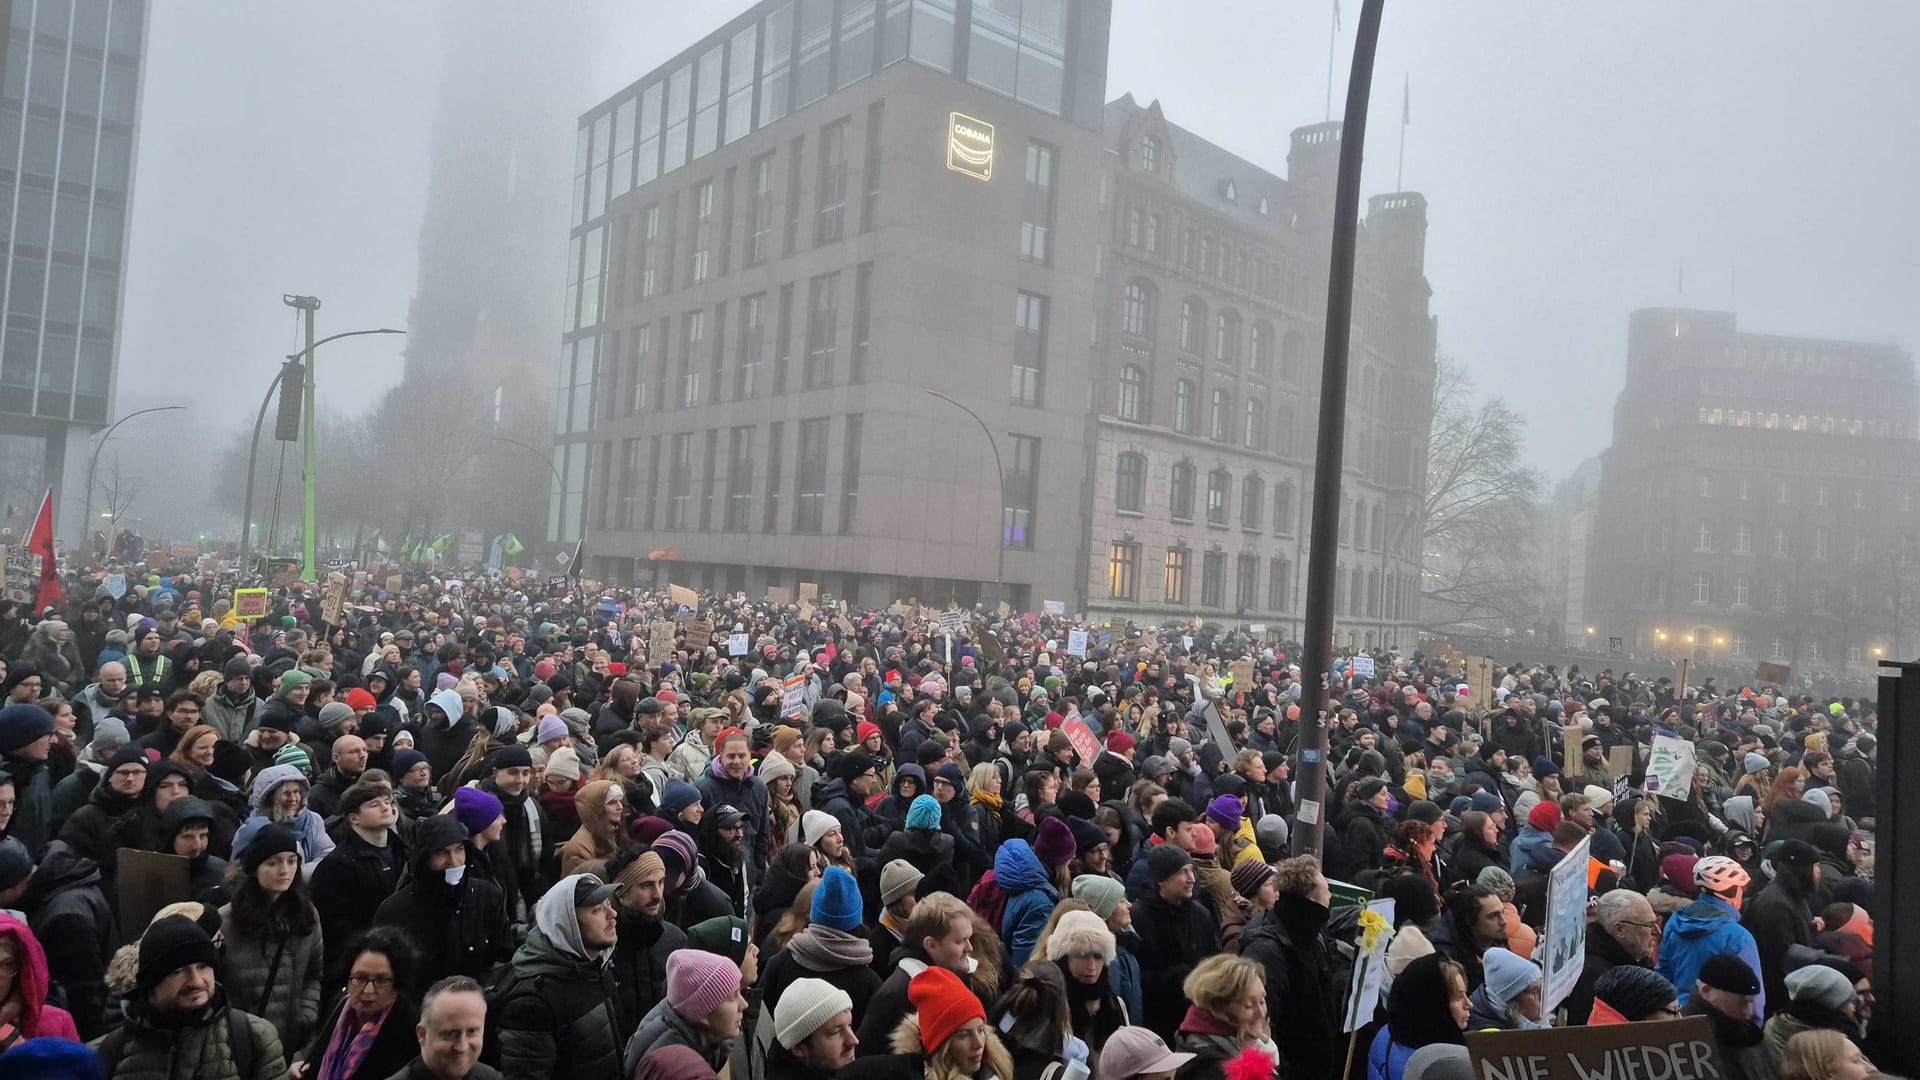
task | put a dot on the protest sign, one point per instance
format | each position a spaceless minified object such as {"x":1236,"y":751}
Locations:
{"x":1480,"y":682}
{"x":1620,"y":762}
{"x":1084,"y":744}
{"x":684,"y":597}
{"x":810,"y":592}
{"x":146,"y":882}
{"x":248,"y":604}
{"x":1077,"y":643}
{"x":737,"y":644}
{"x":116,"y":585}
{"x":660,"y":641}
{"x":1565,"y":942}
{"x":1682,"y":1049}
{"x":793,"y":698}
{"x":1670,"y":768}
{"x":1771,"y":674}
{"x":1363,"y":667}
{"x":335,"y":600}
{"x":952,"y":621}
{"x":778,"y":596}
{"x":989,"y":645}
{"x":1054,"y":607}
{"x":699,"y":633}
{"x":1243,"y":675}
{"x":1369,"y":965}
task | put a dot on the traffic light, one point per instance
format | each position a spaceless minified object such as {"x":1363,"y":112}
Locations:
{"x":293,"y":380}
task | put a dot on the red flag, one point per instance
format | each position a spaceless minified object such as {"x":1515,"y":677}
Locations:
{"x":40,"y":546}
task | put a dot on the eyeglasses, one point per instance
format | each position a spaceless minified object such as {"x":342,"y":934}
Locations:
{"x":1642,"y":925}
{"x":376,"y":982}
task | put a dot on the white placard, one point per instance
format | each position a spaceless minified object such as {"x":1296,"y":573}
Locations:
{"x":1565,"y":940}
{"x":1670,"y":768}
{"x":738,"y":644}
{"x":1363,"y":667}
{"x":1077,"y":643}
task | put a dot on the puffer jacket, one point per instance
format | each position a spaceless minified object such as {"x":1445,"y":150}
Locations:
{"x":749,"y":796}
{"x":1031,"y":897}
{"x":90,"y":831}
{"x":663,"y":1027}
{"x":67,"y":910}
{"x":688,"y":761}
{"x":560,"y":1018}
{"x":285,"y":993}
{"x":161,"y":1049}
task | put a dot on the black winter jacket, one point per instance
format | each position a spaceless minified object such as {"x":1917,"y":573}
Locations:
{"x":461,"y":930}
{"x":640,"y":965}
{"x":68,"y":912}
{"x":560,"y":1018}
{"x":1172,"y":940}
{"x":1302,"y":1002}
{"x":348,"y":888}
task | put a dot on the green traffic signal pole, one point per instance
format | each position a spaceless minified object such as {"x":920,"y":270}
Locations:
{"x":307,"y":305}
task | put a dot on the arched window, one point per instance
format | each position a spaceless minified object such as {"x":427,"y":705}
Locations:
{"x":1219,"y":483}
{"x":1136,"y":312}
{"x":1293,"y":355}
{"x":1283,"y":431}
{"x":1149,"y":154}
{"x":1379,"y":527}
{"x":1219,"y":422}
{"x":1180,"y":501}
{"x":1283,"y":508}
{"x":1133,"y":393}
{"x":1226,"y":337}
{"x":1129,"y":482}
{"x":1251,"y":502}
{"x":1185,"y":407}
{"x":1193,"y":323}
{"x":1260,"y":346}
{"x":1254,"y":433}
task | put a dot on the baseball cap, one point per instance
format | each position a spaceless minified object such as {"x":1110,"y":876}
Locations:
{"x":1135,"y":1051}
{"x":590,"y":891}
{"x":727,"y":816}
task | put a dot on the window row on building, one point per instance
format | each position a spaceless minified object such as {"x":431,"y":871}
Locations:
{"x":1817,"y":543}
{"x":1187,"y":577}
{"x":703,"y":481}
{"x":1257,"y":424}
{"x":1774,"y":421}
{"x":797,"y":54}
{"x":1363,"y":524}
{"x":1783,"y":493}
{"x":1149,"y":233}
{"x":1742,"y":592}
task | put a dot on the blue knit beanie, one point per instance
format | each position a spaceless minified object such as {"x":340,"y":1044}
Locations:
{"x":836,"y":901}
{"x":49,"y":1058}
{"x":923,"y":813}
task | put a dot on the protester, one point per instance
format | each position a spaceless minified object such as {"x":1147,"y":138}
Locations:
{"x":180,"y":1015}
{"x":273,"y":948}
{"x":559,"y":1014}
{"x":1227,"y":1023}
{"x":1429,"y":1006}
{"x":1824,"y":1055}
{"x":1628,"y":994}
{"x":450,"y":1034}
{"x":702,"y":1010}
{"x":369,"y":1034}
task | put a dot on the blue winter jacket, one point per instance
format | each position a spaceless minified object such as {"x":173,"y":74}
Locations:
{"x":1030,"y":897}
{"x":1386,"y":1059}
{"x":1706,"y":928}
{"x":1533,"y":849}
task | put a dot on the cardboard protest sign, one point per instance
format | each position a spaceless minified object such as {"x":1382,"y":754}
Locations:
{"x":778,"y":596}
{"x":660,"y":641}
{"x":684,"y":596}
{"x":1242,"y":675}
{"x":1770,"y":674}
{"x":148,"y":881}
{"x":699,"y":633}
{"x":1682,"y":1049}
{"x":989,"y":646}
{"x":1480,"y":681}
{"x":810,"y":592}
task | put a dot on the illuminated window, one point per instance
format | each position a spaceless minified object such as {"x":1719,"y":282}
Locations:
{"x":1123,"y":571}
{"x":1175,"y":584}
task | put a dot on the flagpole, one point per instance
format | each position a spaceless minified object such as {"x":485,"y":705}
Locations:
{"x":1333,"y":34}
{"x":1406,"y":114}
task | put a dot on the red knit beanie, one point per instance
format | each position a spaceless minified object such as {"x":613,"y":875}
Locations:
{"x":944,"y":1004}
{"x":1545,"y":816}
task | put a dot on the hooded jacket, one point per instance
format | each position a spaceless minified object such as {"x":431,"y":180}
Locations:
{"x":67,"y":910}
{"x":561,"y":1015}
{"x":640,"y":963}
{"x":1703,"y":929}
{"x":206,"y":873}
{"x":37,"y":1018}
{"x":461,"y":929}
{"x":198,"y":1045}
{"x":350,"y":884}
{"x":232,"y":717}
{"x":661,"y":1028}
{"x":90,"y":831}
{"x":1031,"y":897}
{"x":1286,"y":940}
{"x":307,"y":825}
{"x":446,"y":742}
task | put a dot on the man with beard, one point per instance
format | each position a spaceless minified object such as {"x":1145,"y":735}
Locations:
{"x":360,"y":872}
{"x":458,"y":920}
{"x":646,"y":938}
{"x":1725,"y":993}
{"x":730,"y":780}
{"x":179,"y":1013}
{"x":691,"y":898}
{"x":230,"y":710}
{"x":560,"y":1015}
{"x":187,"y":828}
{"x":723,"y":854}
{"x":349,"y":761}
{"x":529,"y":836}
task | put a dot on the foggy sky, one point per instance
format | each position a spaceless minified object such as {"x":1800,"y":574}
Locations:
{"x":1574,"y":158}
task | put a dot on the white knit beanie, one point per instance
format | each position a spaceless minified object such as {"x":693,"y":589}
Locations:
{"x":1080,"y":933}
{"x":815,"y":824}
{"x":804,"y":1006}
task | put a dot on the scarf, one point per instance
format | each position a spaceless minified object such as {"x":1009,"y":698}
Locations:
{"x":898,"y":927}
{"x":351,"y":1042}
{"x":824,"y":950}
{"x":990,"y":800}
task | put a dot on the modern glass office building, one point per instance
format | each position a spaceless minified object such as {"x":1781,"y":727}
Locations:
{"x":69,"y":105}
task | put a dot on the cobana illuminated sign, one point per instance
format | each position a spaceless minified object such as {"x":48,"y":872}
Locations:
{"x":970,"y":146}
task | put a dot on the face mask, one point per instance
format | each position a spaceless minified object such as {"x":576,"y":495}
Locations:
{"x":453,"y":874}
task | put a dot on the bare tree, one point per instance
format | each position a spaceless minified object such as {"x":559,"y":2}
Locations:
{"x":1479,"y":515}
{"x":118,"y":489}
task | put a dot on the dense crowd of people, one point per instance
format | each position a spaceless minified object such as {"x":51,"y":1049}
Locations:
{"x":458,"y":829}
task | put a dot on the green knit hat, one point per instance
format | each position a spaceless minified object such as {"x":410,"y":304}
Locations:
{"x":292,"y":754}
{"x":723,"y":935}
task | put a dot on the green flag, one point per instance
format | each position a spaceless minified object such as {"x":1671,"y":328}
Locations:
{"x":511,"y":545}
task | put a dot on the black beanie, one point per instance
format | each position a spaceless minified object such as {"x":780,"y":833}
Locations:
{"x":169,"y":945}
{"x":1634,"y":992}
{"x":853,"y":764}
{"x":276,"y":839}
{"x":230,"y":761}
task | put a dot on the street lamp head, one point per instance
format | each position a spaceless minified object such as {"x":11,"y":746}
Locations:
{"x":304,"y":303}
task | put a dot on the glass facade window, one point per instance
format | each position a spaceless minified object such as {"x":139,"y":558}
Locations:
{"x":854,"y":58}
{"x":760,"y":209}
{"x":752,"y":347}
{"x":810,"y":502}
{"x":1023,"y":468}
{"x":741,"y":57}
{"x":1019,"y":48}
{"x":700,"y":249}
{"x":1029,"y":347}
{"x":830,"y":219}
{"x":1279,"y":577}
{"x":776,"y":441}
{"x":646,"y":153}
{"x":934,"y":31}
{"x":693,"y":336}
{"x":776,"y":64}
{"x":813,"y":52}
{"x":739,"y":478}
{"x":862,"y":323}
{"x":850,"y":473}
{"x":679,"y":480}
{"x":1036,"y":208}
{"x":706,"y":106}
{"x":870,"y":170}
{"x":679,"y":110}
{"x":639,"y":367}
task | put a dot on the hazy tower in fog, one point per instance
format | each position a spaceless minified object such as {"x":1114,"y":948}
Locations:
{"x":483,"y":311}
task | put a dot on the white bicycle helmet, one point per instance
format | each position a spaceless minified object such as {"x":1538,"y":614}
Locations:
{"x":1719,"y":874}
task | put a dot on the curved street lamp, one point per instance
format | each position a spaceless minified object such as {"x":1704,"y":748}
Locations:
{"x":1000,"y":539}
{"x":93,"y":460}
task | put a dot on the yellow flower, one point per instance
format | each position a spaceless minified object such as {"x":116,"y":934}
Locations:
{"x":1374,"y":930}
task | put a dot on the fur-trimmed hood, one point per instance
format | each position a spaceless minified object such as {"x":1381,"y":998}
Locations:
{"x":997,"y":1063}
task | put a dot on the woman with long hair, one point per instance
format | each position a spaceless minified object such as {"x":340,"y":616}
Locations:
{"x":368,"y":1034}
{"x":274,"y":950}
{"x":1427,"y":1007}
{"x":1038,"y":789}
{"x":1824,"y":1055}
{"x":1789,"y":785}
{"x":602,"y":805}
{"x":947,"y":1036}
{"x":624,"y":765}
{"x":986,"y":806}
{"x":1228,"y":1017}
{"x":1034,"y":1019}
{"x":783,"y":807}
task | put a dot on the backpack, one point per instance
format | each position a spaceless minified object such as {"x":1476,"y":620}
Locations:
{"x":499,"y":987}
{"x":989,"y":900}
{"x":239,"y":1045}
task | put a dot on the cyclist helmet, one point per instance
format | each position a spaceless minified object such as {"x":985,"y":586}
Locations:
{"x":1719,"y":874}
